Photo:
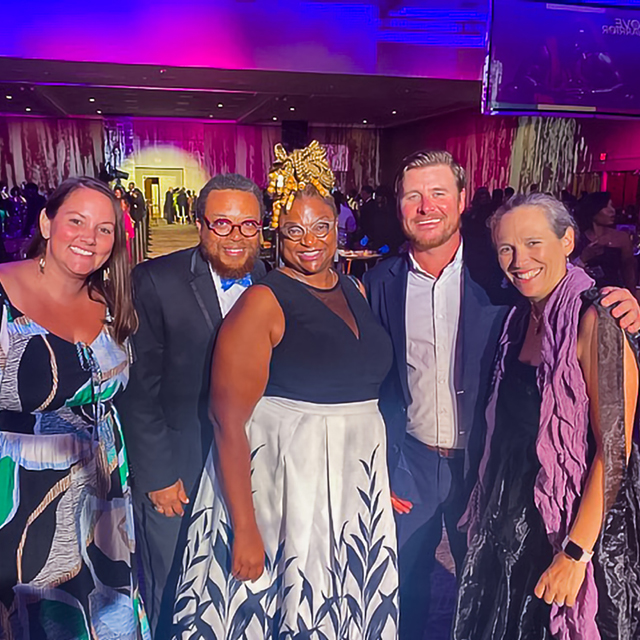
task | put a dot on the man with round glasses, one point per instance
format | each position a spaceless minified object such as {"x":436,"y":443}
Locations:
{"x":181,"y":300}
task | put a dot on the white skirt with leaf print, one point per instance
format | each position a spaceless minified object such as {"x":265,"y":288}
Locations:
{"x":321,"y":496}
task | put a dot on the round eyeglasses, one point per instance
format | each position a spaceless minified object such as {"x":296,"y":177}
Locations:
{"x":224,"y":227}
{"x":296,"y":232}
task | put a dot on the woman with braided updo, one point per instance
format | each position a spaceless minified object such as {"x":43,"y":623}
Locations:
{"x":292,"y":533}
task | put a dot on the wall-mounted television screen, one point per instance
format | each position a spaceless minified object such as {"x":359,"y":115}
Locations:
{"x":579,"y":57}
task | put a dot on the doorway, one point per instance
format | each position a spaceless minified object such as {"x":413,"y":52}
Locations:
{"x":156,"y":183}
{"x":152,"y":196}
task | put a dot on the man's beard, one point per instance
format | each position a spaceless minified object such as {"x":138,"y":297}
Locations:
{"x":424,"y":244}
{"x":226,"y":271}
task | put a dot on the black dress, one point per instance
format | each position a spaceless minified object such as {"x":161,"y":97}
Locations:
{"x":505,"y":560}
{"x":320,"y":488}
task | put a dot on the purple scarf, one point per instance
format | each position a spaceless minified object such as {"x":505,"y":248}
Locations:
{"x":562,"y":438}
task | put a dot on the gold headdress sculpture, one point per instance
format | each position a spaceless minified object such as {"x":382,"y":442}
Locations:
{"x":292,"y":172}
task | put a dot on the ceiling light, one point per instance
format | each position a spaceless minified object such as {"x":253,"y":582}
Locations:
{"x":28,"y":109}
{"x":99,"y":112}
{"x":211,"y":115}
{"x":394,"y":112}
{"x":274,"y":118}
{"x":292,"y":108}
{"x":364,"y":122}
{"x":9,"y":97}
{"x":92,"y":99}
{"x":220,"y":105}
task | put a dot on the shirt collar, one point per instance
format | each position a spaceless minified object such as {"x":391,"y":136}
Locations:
{"x":454,"y":265}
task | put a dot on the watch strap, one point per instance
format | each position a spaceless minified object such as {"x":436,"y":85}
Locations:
{"x":575,"y":551}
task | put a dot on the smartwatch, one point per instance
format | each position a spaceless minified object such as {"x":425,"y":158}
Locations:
{"x":575,"y":551}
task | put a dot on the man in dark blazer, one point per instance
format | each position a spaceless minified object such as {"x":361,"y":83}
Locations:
{"x":181,"y":300}
{"x":444,"y":306}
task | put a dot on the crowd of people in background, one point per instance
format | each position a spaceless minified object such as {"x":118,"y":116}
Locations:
{"x":179,"y":204}
{"x":608,"y":245}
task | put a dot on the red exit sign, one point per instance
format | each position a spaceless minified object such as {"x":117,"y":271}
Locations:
{"x":603,"y":156}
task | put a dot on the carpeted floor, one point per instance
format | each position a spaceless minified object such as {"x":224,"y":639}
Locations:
{"x":166,"y":238}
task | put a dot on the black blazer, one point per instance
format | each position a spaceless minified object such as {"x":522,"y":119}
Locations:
{"x":482,"y":315}
{"x":164,"y":409}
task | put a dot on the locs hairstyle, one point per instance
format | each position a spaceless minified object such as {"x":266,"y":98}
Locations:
{"x":114,"y":291}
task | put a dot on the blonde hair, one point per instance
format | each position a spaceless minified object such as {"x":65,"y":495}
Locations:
{"x":430,"y":158}
{"x":301,"y":172}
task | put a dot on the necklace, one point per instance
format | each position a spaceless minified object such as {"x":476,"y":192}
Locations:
{"x":536,"y":317}
{"x":295,"y":276}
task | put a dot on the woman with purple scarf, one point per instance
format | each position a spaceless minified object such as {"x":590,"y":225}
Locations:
{"x":553,"y":522}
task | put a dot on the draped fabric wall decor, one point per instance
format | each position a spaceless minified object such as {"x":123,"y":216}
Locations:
{"x":48,"y":150}
{"x":217,"y":147}
{"x":363,"y":154}
{"x":485,"y":150}
{"x":499,"y":151}
{"x":546,"y":151}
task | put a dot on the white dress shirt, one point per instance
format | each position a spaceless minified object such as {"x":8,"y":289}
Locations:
{"x":226,"y":299}
{"x":432,"y":318}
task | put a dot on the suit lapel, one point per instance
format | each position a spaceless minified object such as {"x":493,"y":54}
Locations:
{"x":205,"y":291}
{"x":395,"y":290}
{"x":477,"y":316}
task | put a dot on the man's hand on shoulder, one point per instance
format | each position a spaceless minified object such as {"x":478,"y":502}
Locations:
{"x":626,"y":310}
{"x":169,"y":501}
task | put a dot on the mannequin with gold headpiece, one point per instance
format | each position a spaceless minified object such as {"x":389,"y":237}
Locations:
{"x":298,"y":532}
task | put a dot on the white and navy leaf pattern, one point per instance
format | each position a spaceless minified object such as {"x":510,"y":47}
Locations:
{"x":361,"y":575}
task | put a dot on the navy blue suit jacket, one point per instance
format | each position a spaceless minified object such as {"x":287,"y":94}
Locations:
{"x":484,"y":305}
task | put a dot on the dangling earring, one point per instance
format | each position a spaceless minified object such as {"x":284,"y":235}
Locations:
{"x":106,"y":275}
{"x":41,"y":264}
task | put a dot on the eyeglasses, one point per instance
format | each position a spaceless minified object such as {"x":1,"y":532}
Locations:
{"x":224,"y":227}
{"x":296,"y":232}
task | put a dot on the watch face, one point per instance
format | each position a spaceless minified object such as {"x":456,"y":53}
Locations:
{"x":573,"y":550}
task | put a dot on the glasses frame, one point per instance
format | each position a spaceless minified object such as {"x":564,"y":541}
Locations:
{"x":210,"y":225}
{"x":333,"y":226}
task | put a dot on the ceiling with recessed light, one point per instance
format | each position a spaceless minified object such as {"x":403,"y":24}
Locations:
{"x":87,"y":89}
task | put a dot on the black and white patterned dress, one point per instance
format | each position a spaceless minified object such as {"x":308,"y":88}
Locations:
{"x":320,"y":488}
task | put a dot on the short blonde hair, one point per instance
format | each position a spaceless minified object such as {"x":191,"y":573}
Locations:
{"x":431,"y":158}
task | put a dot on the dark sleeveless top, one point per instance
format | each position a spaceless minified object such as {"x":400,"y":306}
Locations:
{"x":319,"y":358}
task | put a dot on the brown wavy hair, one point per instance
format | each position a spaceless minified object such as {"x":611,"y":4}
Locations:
{"x":115,"y":291}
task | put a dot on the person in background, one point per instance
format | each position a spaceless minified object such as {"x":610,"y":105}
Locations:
{"x":182,"y":203}
{"x":509,"y":192}
{"x":181,"y":299}
{"x":497,"y":199}
{"x":384,"y":228}
{"x":35,"y":204}
{"x":298,"y":540}
{"x":66,"y":525}
{"x":366,"y":214}
{"x":605,"y":252}
{"x":190,"y":205}
{"x":554,"y":520}
{"x":169,"y":208}
{"x":129,"y":226}
{"x":138,"y":204}
{"x":346,"y":220}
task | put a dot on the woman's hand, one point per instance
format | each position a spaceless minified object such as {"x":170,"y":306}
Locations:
{"x":247,"y":559}
{"x":561,"y":582}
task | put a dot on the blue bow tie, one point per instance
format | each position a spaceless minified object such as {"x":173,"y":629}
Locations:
{"x":227,"y":283}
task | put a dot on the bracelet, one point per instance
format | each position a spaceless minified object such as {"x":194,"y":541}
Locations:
{"x":575,"y":551}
